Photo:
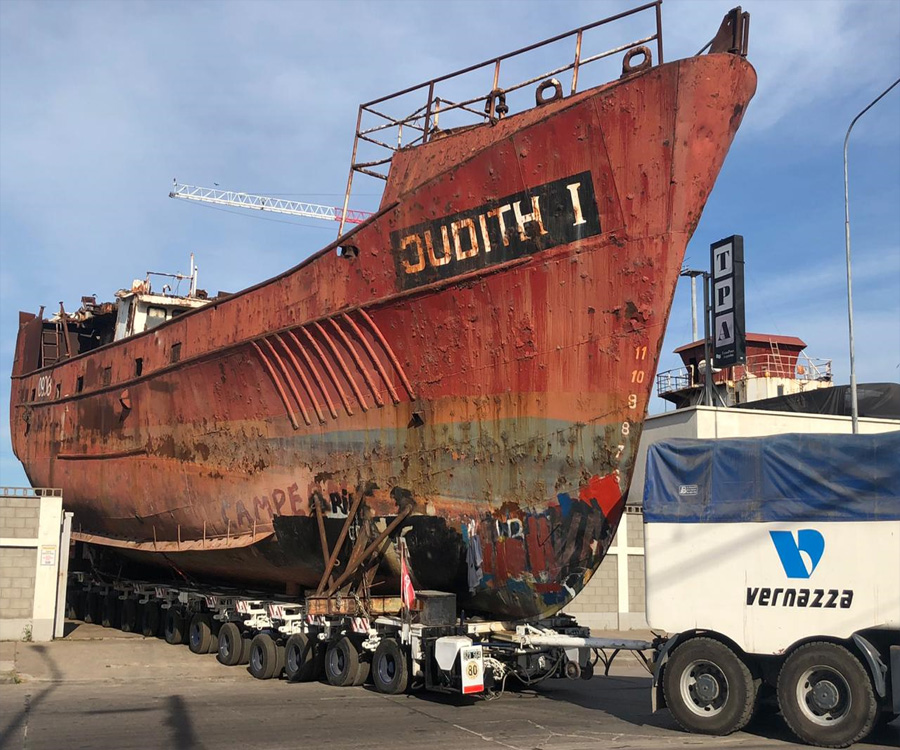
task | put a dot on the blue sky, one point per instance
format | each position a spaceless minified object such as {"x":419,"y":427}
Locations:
{"x":102,"y":104}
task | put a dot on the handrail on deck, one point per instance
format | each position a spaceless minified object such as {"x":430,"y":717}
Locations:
{"x":423,"y":120}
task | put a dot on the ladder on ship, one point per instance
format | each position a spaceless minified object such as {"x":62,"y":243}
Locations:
{"x":779,"y":366}
{"x":54,"y":341}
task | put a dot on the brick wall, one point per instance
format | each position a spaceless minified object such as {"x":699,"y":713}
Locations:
{"x":635,"y":582}
{"x":30,"y":523}
{"x":636,"y":530}
{"x":17,"y":575}
{"x":600,"y":594}
{"x":19,"y":517}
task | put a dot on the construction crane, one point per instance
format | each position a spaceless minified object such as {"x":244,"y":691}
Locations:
{"x":264,"y":203}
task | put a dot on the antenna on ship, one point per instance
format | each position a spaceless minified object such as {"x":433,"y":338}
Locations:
{"x":194,"y":269}
{"x":265,"y":203}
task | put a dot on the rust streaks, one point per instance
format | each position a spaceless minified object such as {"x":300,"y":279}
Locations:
{"x":287,"y":378}
{"x":343,"y":365}
{"x":303,"y":379}
{"x":371,"y":352}
{"x":330,"y":370}
{"x":314,"y":372}
{"x":390,"y":352}
{"x":358,"y":360}
{"x":277,"y":383}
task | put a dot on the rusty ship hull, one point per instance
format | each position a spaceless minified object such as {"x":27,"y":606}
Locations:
{"x":476,"y":364}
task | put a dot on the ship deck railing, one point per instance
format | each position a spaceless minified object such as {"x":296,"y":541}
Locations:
{"x":30,"y":492}
{"x":767,"y":365}
{"x":422,"y":112}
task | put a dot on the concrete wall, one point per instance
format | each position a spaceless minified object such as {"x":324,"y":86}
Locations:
{"x":30,"y":523}
{"x":614,"y":599}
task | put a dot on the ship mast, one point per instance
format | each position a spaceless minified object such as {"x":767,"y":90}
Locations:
{"x":265,"y":203}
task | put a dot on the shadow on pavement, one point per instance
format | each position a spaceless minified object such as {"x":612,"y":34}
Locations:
{"x":179,"y":719}
{"x":20,"y":720}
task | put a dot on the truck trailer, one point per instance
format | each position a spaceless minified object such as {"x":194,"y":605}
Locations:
{"x":774,"y":565}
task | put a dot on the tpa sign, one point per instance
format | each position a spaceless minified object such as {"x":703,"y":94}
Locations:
{"x":729,"y":333}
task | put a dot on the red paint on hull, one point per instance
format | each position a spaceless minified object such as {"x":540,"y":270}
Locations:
{"x":489,"y":398}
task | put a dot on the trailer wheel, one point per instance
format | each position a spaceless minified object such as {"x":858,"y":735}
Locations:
{"x":174,"y":628}
{"x":364,"y":670}
{"x":74,"y":603}
{"x":708,"y":688}
{"x":826,"y":696}
{"x":390,"y":668}
{"x":300,"y":658}
{"x":128,"y":616}
{"x":109,"y":610}
{"x":91,"y":607}
{"x":200,"y":635}
{"x":264,"y":657}
{"x":587,"y":671}
{"x":150,"y":619}
{"x":231,"y":645}
{"x":214,"y":627}
{"x":342,"y":663}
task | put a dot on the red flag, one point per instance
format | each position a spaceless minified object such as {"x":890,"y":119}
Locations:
{"x":407,"y":592}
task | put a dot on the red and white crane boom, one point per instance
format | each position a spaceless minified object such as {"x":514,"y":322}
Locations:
{"x":265,"y":203}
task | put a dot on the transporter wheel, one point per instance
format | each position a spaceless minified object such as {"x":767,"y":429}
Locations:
{"x":92,"y":607}
{"x":264,"y":657}
{"x":200,"y":635}
{"x":231,"y":645}
{"x":175,"y":627}
{"x":826,"y":696}
{"x":390,"y":668}
{"x":74,"y":602}
{"x":214,"y":627}
{"x":342,"y":663}
{"x":587,"y":671}
{"x":364,"y":670}
{"x":128,"y":616}
{"x":109,"y":611}
{"x":301,"y":658}
{"x":246,"y":642}
{"x":708,"y":688}
{"x":150,"y":619}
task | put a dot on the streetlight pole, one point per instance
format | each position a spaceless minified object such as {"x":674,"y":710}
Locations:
{"x":854,"y":406}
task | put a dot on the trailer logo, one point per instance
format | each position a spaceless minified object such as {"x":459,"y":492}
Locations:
{"x":809,"y":542}
{"x":799,"y":557}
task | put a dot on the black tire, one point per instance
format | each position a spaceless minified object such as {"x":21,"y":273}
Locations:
{"x":150,"y":619}
{"x":301,"y":658}
{"x":214,"y":627}
{"x":128,"y":616}
{"x":74,"y":602}
{"x":708,"y":688}
{"x":175,"y":630}
{"x":92,"y":608}
{"x":109,"y":613}
{"x":200,"y":633}
{"x":264,"y":657}
{"x":826,"y":696}
{"x":246,"y":642}
{"x":342,"y":663}
{"x":390,"y":668}
{"x":231,"y":645}
{"x":587,"y":671}
{"x":364,"y":670}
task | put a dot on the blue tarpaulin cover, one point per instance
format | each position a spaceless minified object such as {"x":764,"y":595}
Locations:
{"x":794,"y":477}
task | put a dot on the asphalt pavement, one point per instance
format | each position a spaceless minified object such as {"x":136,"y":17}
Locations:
{"x":100,"y":688}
